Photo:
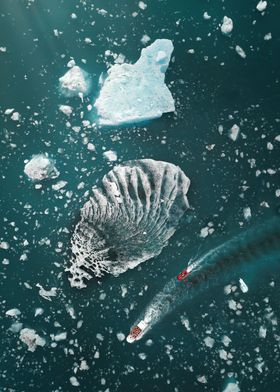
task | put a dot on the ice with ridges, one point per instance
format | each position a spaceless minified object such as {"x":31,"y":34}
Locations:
{"x":128,"y":219}
{"x":137,"y":92}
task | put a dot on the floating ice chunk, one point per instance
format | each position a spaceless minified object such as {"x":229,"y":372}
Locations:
{"x":185,"y":323}
{"x":142,"y":5}
{"x":227,"y":26}
{"x":243,"y":286}
{"x":240,"y":51}
{"x":110,"y":155}
{"x":128,"y":219}
{"x":209,"y":342}
{"x":47,"y":293}
{"x":4,"y":245}
{"x":206,"y":16}
{"x":137,"y":92}
{"x":40,"y":167}
{"x":65,"y":109}
{"x":59,"y":185}
{"x":120,"y":336}
{"x":31,"y":339}
{"x":234,"y":132}
{"x":247,"y":213}
{"x":60,"y":336}
{"x":15,"y":116}
{"x":16,"y":327}
{"x":3,"y":49}
{"x":202,"y":379}
{"x":267,"y":37}
{"x":73,"y":381}
{"x":262,"y":332}
{"x":145,"y":39}
{"x":261,"y":6}
{"x":13,"y":312}
{"x":75,"y":82}
{"x":8,"y":111}
{"x":232,"y":387}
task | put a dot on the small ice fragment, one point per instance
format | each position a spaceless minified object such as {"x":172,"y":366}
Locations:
{"x":75,"y":82}
{"x":142,"y":5}
{"x":8,"y":111}
{"x":16,"y":327}
{"x":262,"y":332}
{"x":73,"y":381}
{"x":120,"y":336}
{"x":185,"y":323}
{"x":234,"y":132}
{"x":66,"y":109}
{"x":209,"y":342}
{"x":243,"y":286}
{"x":206,"y":16}
{"x":204,"y":232}
{"x":40,"y":167}
{"x":110,"y":155}
{"x":202,"y":379}
{"x":60,"y":336}
{"x":39,"y":312}
{"x":145,"y":39}
{"x":15,"y":116}
{"x":247,"y":213}
{"x":4,"y":245}
{"x":31,"y":339}
{"x":226,"y":340}
{"x":3,"y":49}
{"x":59,"y":185}
{"x":232,"y":304}
{"x":227,"y":26}
{"x":91,"y":147}
{"x":240,"y":51}
{"x":13,"y":312}
{"x":73,"y":16}
{"x":267,"y":37}
{"x":47,"y":293}
{"x":261,"y":6}
{"x":232,"y":387}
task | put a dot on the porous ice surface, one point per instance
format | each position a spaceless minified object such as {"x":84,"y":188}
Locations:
{"x":137,"y":92}
{"x":40,"y":167}
{"x":75,"y":82}
{"x":128,"y":219}
{"x":31,"y":339}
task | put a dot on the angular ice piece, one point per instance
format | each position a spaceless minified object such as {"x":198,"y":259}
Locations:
{"x":243,"y":286}
{"x":137,"y":92}
{"x":66,"y":109}
{"x":13,"y":312}
{"x":232,"y":387}
{"x":31,"y":339}
{"x":240,"y":51}
{"x":234,"y":132}
{"x":128,"y":219}
{"x":41,"y":167}
{"x":227,"y":26}
{"x":47,"y":293}
{"x":261,"y":6}
{"x":75,"y":82}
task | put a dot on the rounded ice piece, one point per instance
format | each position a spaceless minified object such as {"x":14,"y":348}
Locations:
{"x":75,"y":82}
{"x":40,"y":167}
{"x":128,"y":219}
{"x":137,"y":92}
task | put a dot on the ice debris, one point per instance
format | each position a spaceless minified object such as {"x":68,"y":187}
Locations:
{"x":243,"y":286}
{"x":227,"y":25}
{"x":40,"y":167}
{"x":234,"y":132}
{"x":31,"y":339}
{"x":75,"y":82}
{"x":47,"y":294}
{"x":261,"y":6}
{"x":13,"y":312}
{"x":137,"y":92}
{"x":240,"y":51}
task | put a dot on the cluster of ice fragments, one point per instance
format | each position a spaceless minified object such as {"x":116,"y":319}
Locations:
{"x":40,"y":167}
{"x":137,"y":92}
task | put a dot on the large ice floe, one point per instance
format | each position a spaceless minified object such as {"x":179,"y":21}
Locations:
{"x":137,"y":92}
{"x":128,"y":219}
{"x":75,"y":82}
{"x":40,"y":167}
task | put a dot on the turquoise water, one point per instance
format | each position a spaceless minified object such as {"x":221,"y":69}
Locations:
{"x":212,"y":87}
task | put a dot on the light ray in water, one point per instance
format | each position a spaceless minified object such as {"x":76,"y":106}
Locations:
{"x":215,"y":267}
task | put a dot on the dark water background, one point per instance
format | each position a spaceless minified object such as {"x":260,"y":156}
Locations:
{"x":212,"y":87}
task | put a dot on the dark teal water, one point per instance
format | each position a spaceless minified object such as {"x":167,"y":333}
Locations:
{"x":212,"y":87}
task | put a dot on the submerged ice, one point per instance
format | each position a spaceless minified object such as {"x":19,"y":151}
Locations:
{"x":128,"y":219}
{"x":40,"y":167}
{"x":137,"y":92}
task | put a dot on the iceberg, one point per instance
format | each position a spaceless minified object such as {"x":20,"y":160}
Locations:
{"x":128,"y":219}
{"x":75,"y":82}
{"x":137,"y":92}
{"x":40,"y":167}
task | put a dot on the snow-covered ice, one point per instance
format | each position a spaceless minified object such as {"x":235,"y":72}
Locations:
{"x":137,"y":92}
{"x":40,"y":167}
{"x":75,"y":82}
{"x":227,"y":26}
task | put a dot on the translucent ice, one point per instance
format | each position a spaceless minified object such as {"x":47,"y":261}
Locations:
{"x":137,"y":92}
{"x":128,"y":219}
{"x":75,"y":82}
{"x":40,"y":167}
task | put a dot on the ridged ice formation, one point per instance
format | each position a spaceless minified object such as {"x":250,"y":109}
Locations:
{"x":128,"y":219}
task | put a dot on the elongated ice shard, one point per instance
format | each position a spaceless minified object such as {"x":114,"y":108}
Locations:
{"x":128,"y":219}
{"x":137,"y":92}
